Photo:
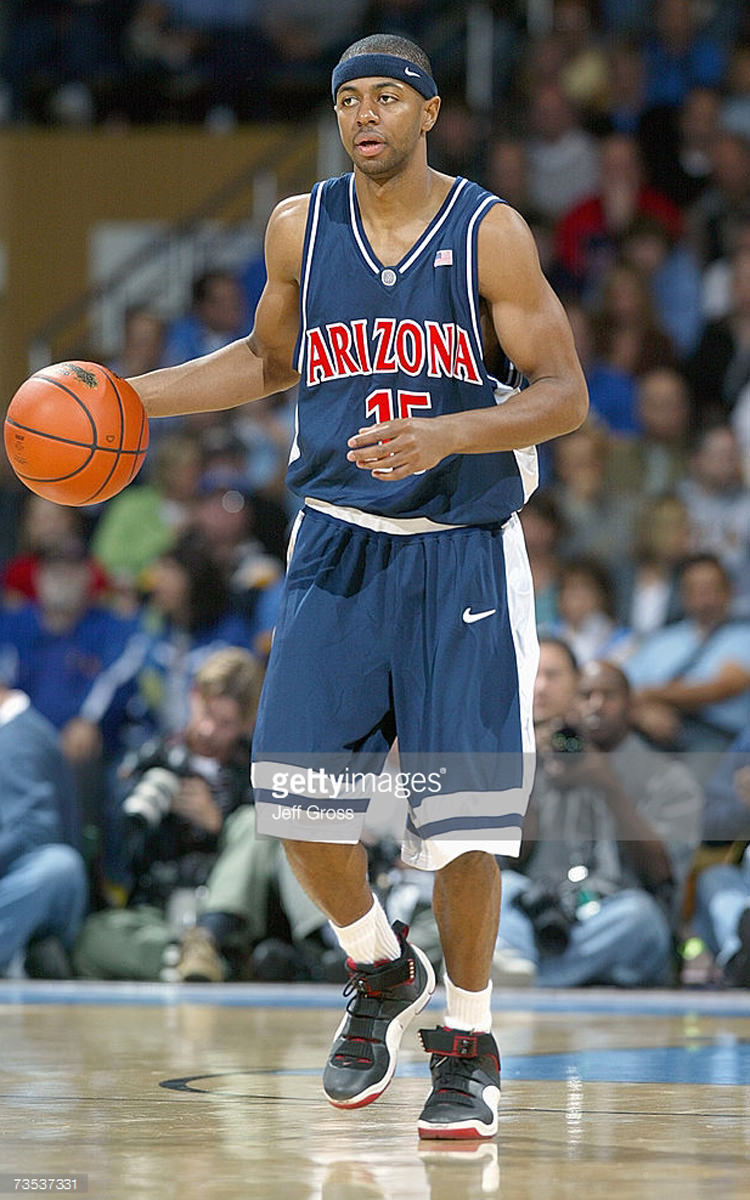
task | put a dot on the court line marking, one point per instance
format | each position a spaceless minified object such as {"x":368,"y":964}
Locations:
{"x":323,"y":996}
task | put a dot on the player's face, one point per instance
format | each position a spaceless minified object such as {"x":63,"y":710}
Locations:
{"x":381,"y":122}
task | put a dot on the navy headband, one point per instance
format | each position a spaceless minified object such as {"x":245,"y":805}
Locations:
{"x":362,"y":66}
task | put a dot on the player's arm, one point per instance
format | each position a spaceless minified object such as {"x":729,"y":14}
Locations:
{"x":250,"y":367}
{"x":534,"y":332}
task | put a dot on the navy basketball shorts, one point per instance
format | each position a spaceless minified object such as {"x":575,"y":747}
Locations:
{"x":400,"y":630}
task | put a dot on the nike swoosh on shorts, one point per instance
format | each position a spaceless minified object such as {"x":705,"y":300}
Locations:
{"x":468,"y":617}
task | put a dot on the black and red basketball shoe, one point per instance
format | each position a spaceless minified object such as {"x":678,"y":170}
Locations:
{"x":465,"y":1069}
{"x":384,"y":998}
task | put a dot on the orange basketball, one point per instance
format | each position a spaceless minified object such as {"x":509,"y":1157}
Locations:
{"x":75,"y":433}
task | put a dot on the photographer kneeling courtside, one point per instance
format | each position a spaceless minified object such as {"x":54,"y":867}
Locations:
{"x":202,"y":884}
{"x":608,"y":840}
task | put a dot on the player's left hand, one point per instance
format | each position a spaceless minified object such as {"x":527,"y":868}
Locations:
{"x":396,"y":449}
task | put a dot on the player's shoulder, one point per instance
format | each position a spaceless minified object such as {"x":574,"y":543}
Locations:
{"x":506,"y":251}
{"x":501,"y":220}
{"x":292,"y":212}
{"x":290,"y":215}
{"x":285,"y":236}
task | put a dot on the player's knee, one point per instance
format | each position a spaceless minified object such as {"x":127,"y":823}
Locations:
{"x":471,"y":862}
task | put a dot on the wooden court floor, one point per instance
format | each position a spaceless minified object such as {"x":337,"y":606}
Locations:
{"x":154,"y":1091}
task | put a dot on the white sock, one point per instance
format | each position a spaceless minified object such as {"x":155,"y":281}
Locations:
{"x":467,"y":1010}
{"x":369,"y":939}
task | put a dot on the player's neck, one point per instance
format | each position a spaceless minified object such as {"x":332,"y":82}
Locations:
{"x":416,"y":192}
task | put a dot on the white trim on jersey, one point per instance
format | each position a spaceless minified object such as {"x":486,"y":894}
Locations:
{"x":470,"y":271}
{"x":293,"y":536}
{"x":306,"y":278}
{"x":527,"y":459}
{"x":355,"y":230}
{"x":376,"y":522}
{"x":427,"y":238}
{"x":294,"y":450}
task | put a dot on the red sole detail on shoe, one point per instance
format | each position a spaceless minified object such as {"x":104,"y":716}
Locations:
{"x":456,"y":1135}
{"x":355,"y":1103}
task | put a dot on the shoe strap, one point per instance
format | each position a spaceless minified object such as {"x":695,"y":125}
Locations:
{"x":457,"y":1043}
{"x":370,"y":980}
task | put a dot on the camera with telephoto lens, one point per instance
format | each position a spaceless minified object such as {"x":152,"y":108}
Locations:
{"x":152,"y":797}
{"x":567,"y":740}
{"x":551,"y":908}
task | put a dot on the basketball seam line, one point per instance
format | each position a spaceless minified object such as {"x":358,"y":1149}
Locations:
{"x":56,"y":437}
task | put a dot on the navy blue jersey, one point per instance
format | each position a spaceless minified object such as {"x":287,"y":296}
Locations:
{"x":378,"y":342}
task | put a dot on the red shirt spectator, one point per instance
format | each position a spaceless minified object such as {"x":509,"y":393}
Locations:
{"x":586,"y":235}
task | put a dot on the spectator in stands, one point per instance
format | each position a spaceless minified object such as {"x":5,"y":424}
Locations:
{"x":583,"y":73}
{"x":225,"y":519}
{"x":43,"y":526}
{"x":188,"y":614}
{"x":306,"y":37}
{"x":599,"y":523}
{"x":458,"y":147}
{"x":228,"y":462}
{"x":722,"y":912}
{"x":563,"y":161}
{"x":266,"y":429}
{"x":143,"y":334}
{"x":57,"y":53}
{"x":188,"y":824}
{"x":627,"y":341}
{"x":679,"y":56}
{"x":57,"y":648}
{"x":608,"y":841}
{"x":656,"y":460}
{"x":507,"y":173}
{"x":626,"y":96}
{"x":714,"y":216}
{"x":673,"y":278}
{"x":718,"y":504}
{"x":142,"y":522}
{"x":735,"y":111}
{"x":543,"y":529}
{"x":198,"y":59}
{"x":218,"y":316}
{"x":692,"y":679}
{"x":43,"y":888}
{"x":717,"y":279}
{"x":647,"y":584}
{"x":677,"y":145}
{"x":587,"y":234}
{"x":586,"y":607}
{"x":720,"y":368}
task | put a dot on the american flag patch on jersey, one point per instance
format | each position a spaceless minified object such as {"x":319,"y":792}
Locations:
{"x":443,"y":258}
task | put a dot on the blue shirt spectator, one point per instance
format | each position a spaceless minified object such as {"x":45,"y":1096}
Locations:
{"x":678,"y":57}
{"x":218,"y":317}
{"x":43,"y":887}
{"x":697,"y":671}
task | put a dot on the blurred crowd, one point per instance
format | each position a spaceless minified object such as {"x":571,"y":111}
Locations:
{"x":133,"y":635}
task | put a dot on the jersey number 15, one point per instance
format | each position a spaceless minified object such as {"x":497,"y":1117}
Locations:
{"x":383,"y":405}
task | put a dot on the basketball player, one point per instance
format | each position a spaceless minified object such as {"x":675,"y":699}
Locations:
{"x":408,"y":606}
